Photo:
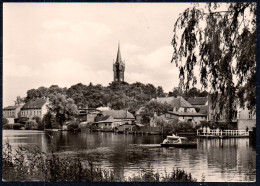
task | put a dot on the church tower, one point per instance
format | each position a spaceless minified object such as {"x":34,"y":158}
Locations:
{"x":119,"y":67}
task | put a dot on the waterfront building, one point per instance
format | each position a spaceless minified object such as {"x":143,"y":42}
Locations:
{"x":87,"y":114}
{"x":181,"y":110}
{"x":178,"y":104}
{"x":119,"y":116}
{"x":106,"y":123}
{"x":35,"y":108}
{"x":200,"y":104}
{"x":112,"y":119}
{"x":12,"y":112}
{"x":245,"y":119}
{"x":118,"y":67}
{"x":192,"y":117}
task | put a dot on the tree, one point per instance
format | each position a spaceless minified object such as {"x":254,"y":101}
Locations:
{"x":19,"y":100}
{"x":193,"y":92}
{"x":64,"y":109}
{"x":31,"y":95}
{"x":176,"y":92}
{"x":154,"y":107}
{"x":222,"y":42}
{"x":160,"y":92}
{"x":49,"y":121}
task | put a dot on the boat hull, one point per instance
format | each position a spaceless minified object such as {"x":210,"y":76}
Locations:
{"x":179,"y":145}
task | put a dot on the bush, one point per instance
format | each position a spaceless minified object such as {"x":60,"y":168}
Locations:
{"x":39,"y":122}
{"x":73,"y":125}
{"x":17,"y":126}
{"x":7,"y":126}
{"x":84,"y":125}
{"x":31,"y":125}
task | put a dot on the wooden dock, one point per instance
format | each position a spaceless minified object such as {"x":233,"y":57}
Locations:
{"x":215,"y":133}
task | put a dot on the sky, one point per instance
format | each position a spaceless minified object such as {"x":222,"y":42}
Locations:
{"x":64,"y":44}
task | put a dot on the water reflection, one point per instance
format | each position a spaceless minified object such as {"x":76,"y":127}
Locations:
{"x":217,"y":159}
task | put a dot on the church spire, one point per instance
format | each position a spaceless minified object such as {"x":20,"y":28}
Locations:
{"x":118,"y":58}
{"x":119,"y":67}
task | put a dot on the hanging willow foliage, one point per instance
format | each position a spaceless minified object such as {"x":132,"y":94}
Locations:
{"x":222,"y":43}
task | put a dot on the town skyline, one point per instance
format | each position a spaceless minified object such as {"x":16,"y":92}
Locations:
{"x":77,"y":44}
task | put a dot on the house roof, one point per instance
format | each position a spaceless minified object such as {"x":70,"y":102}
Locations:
{"x":187,"y":114}
{"x":106,"y":119}
{"x":204,"y":110}
{"x":174,"y":102}
{"x":37,"y":104}
{"x":118,"y":114}
{"x":12,"y":107}
{"x":198,"y":100}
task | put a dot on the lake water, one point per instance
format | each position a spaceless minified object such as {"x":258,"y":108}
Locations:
{"x":214,"y":160}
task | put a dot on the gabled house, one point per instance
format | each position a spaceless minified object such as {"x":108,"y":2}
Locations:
{"x":12,"y":112}
{"x":200,"y":104}
{"x":181,"y":110}
{"x":87,"y":114}
{"x":178,"y":104}
{"x":112,"y":119}
{"x":106,"y":123}
{"x":119,"y":116}
{"x":192,"y":117}
{"x":34,"y":108}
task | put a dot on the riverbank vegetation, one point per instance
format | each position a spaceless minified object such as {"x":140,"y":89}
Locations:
{"x":29,"y":163}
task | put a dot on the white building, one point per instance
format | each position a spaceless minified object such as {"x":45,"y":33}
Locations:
{"x":35,"y":108}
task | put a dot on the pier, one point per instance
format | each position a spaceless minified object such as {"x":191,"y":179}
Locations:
{"x":215,"y":133}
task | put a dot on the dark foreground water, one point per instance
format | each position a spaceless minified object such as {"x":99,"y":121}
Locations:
{"x":215,"y":160}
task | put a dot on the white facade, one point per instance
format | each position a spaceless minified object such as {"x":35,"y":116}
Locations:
{"x":12,"y":111}
{"x":181,"y":109}
{"x":33,"y":112}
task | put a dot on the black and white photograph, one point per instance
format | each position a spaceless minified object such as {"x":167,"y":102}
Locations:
{"x":129,"y":92}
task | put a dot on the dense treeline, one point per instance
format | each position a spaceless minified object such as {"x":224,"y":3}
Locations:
{"x":116,"y":95}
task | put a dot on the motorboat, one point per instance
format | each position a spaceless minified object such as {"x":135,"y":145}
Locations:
{"x":174,"y":137}
{"x":178,"y":142}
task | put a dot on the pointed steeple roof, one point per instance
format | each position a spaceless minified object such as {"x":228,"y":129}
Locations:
{"x":118,"y":58}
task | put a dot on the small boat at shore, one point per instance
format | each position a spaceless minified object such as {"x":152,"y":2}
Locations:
{"x":174,"y":137}
{"x":180,"y":145}
{"x":178,"y":142}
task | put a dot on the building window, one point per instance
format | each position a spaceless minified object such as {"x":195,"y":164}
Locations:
{"x":250,"y":115}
